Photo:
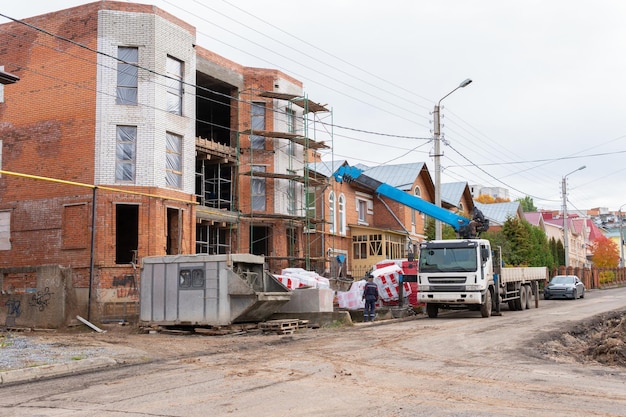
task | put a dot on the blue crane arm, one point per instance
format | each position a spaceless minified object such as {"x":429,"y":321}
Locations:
{"x":354,"y":175}
{"x":350,"y":174}
{"x":422,"y":205}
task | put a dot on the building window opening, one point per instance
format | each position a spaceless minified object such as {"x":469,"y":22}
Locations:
{"x":259,"y":240}
{"x":126,"y":232}
{"x":174,"y":231}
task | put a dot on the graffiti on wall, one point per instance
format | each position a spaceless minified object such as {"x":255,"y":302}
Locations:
{"x":14,"y":307}
{"x":126,"y":286}
{"x":41,"y":299}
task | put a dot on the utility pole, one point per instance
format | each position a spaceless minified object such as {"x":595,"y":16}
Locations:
{"x":621,"y":237}
{"x":565,"y":223}
{"x":437,"y":137}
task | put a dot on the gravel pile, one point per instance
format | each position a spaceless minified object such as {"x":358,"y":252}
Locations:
{"x":18,"y":351}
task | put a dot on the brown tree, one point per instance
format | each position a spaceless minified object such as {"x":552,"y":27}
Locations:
{"x":605,"y":253}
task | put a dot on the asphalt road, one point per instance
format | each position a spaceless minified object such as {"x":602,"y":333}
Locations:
{"x":456,"y":365}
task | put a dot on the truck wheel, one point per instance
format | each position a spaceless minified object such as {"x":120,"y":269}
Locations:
{"x":432,"y":310}
{"x":485,"y":308}
{"x":520,"y":303}
{"x":529,"y":296}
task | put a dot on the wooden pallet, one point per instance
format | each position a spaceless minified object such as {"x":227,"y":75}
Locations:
{"x":286,"y":326}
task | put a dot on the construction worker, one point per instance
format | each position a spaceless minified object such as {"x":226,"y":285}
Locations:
{"x":370,"y":295}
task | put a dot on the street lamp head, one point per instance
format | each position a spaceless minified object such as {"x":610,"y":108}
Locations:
{"x":465,"y":83}
{"x":577,"y":169}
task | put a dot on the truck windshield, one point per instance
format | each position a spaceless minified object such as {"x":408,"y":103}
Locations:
{"x":448,"y":260}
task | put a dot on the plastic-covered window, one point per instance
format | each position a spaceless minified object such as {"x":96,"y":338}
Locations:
{"x":174,"y":161}
{"x":125,"y":153}
{"x":174,"y":84}
{"x":127,"y":75}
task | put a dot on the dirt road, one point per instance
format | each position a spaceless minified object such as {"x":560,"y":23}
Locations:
{"x":457,"y":365}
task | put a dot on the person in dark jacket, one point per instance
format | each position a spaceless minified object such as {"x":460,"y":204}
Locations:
{"x":370,"y":295}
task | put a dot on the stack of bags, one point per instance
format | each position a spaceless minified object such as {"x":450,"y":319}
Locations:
{"x":293,"y":278}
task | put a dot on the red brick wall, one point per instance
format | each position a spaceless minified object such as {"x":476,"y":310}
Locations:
{"x":47,"y":128}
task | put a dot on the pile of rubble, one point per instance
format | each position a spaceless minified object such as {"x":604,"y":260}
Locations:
{"x":600,"y":339}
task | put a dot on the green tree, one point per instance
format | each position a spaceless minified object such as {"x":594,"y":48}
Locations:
{"x":497,"y":239}
{"x":518,"y":236}
{"x":541,"y":255}
{"x":556,"y":254}
{"x":447,"y":232}
{"x":527,"y":204}
{"x":522,"y":244}
{"x":560,"y":251}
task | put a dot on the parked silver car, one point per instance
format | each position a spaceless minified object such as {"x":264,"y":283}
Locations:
{"x":564,"y":286}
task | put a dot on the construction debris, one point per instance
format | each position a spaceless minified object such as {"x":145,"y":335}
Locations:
{"x":93,"y":326}
{"x":285,"y":326}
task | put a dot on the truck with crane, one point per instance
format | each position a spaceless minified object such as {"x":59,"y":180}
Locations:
{"x":459,"y":273}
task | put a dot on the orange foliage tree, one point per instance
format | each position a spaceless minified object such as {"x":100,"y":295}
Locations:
{"x":485,"y":199}
{"x":605,"y":252}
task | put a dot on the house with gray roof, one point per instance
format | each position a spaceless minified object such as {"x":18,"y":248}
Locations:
{"x":498,"y":213}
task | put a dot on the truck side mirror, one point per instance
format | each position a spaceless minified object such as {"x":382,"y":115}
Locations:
{"x":484,"y":254}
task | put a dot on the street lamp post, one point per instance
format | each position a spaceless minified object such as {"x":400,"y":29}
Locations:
{"x":621,"y":237}
{"x":565,"y":225}
{"x":437,"y":133}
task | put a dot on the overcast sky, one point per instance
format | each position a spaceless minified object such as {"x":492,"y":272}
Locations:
{"x":548,"y":93}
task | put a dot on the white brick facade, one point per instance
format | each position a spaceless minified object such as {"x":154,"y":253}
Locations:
{"x":156,"y":39}
{"x":284,"y":162}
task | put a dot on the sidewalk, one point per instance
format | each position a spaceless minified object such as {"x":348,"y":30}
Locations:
{"x":17,"y":376}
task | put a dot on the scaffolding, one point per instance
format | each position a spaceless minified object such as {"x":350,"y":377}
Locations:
{"x":289,"y":175}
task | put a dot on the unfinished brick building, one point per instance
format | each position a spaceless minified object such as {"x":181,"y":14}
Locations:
{"x":124,"y":139}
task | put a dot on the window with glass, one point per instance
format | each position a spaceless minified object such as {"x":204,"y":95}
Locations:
{"x":342,"y":214}
{"x":174,"y":160}
{"x":446,"y":259}
{"x":359,"y":246}
{"x":362,"y":207}
{"x":191,"y":279}
{"x":416,"y":193}
{"x":125,"y":158}
{"x":127,"y":75}
{"x":376,"y":244}
{"x":395,"y":247}
{"x":174,"y":83}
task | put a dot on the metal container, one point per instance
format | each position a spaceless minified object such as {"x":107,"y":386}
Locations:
{"x":208,"y":290}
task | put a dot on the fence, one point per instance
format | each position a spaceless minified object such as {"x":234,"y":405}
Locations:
{"x":597,"y":278}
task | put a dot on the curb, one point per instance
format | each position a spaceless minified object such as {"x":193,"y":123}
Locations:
{"x":17,"y":376}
